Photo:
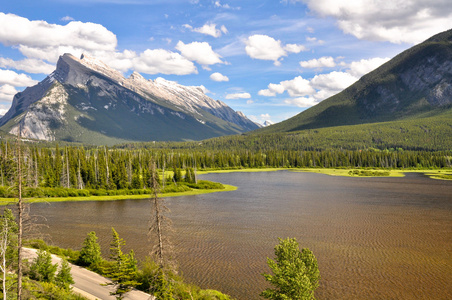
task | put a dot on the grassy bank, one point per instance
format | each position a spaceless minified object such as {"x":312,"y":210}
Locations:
{"x":6,"y":201}
{"x":240,"y":170}
{"x":434,"y":174}
{"x":444,"y":174}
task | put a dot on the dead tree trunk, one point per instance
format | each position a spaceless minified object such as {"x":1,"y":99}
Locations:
{"x":20,"y":209}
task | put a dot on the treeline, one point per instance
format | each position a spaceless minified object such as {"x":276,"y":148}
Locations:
{"x":121,"y":169}
{"x":425,"y":134}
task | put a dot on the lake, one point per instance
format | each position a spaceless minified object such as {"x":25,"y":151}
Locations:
{"x":374,"y":238}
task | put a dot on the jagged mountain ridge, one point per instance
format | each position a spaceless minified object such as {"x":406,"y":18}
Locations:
{"x":84,"y":100}
{"x":416,"y":83}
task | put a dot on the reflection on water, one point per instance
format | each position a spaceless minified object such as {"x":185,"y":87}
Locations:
{"x":374,"y":238}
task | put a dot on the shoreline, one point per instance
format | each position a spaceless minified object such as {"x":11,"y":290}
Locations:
{"x":445,"y":174}
{"x":347,"y":172}
{"x":7,"y":201}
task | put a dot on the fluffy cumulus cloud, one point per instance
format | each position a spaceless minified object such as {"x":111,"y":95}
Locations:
{"x":295,"y":87}
{"x":163,"y":61}
{"x":41,"y":40}
{"x":28,"y":65}
{"x":7,"y":93}
{"x":295,"y":48}
{"x":308,"y":92}
{"x":201,"y":52}
{"x":396,"y":21}
{"x":14,"y":79}
{"x":4,"y":109}
{"x":238,"y":96}
{"x":218,"y":77}
{"x":209,"y":29}
{"x":364,"y":66}
{"x":326,"y":61}
{"x":264,"y":47}
{"x":204,"y":89}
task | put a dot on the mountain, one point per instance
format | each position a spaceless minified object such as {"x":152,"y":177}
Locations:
{"x":268,"y":123}
{"x":84,"y":100}
{"x":415,"y":84}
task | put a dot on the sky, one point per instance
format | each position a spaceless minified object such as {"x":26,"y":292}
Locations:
{"x":269,"y":59}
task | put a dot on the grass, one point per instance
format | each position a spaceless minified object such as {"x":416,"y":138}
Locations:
{"x":242,"y":170}
{"x":434,"y":174}
{"x":6,"y":201}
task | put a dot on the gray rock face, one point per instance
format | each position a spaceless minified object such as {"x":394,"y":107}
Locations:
{"x":94,"y":92}
{"x":433,"y":76}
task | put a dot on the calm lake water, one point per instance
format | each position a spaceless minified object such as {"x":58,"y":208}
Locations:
{"x":374,"y":238}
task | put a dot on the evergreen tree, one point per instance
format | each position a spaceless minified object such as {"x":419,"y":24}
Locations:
{"x":90,"y":254}
{"x":115,"y":246}
{"x":177,"y":177}
{"x":295,"y":273}
{"x":160,"y":287}
{"x":64,"y":277}
{"x":42,"y":268}
{"x":123,"y":272}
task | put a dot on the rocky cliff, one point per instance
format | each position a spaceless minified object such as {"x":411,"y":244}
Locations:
{"x":84,"y":100}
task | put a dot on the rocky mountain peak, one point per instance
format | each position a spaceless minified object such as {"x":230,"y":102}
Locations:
{"x":135,"y":76}
{"x":74,"y":71}
{"x":268,"y":123}
{"x":96,"y":102}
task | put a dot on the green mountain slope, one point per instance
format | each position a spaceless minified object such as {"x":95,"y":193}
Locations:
{"x":416,"y":83}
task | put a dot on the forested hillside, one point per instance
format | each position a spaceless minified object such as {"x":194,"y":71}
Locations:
{"x":416,"y":82}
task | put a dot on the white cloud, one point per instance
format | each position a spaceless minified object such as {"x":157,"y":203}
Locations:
{"x":266,"y":93}
{"x":294,"y":48}
{"x":397,"y":21}
{"x":314,"y":40}
{"x":308,"y":92}
{"x":14,"y":79}
{"x":201,"y":52}
{"x":264,"y":47}
{"x":224,"y":29}
{"x":28,"y":65}
{"x":238,"y":96}
{"x":41,"y":40}
{"x":218,"y":77}
{"x":218,"y":4}
{"x":7,"y":93}
{"x":4,"y":109}
{"x":208,"y":29}
{"x":163,"y":61}
{"x":364,"y":66}
{"x":225,"y":6}
{"x":301,"y":101}
{"x":249,"y":101}
{"x":67,"y":18}
{"x":325,"y":61}
{"x":204,"y":89}
{"x":332,"y":83}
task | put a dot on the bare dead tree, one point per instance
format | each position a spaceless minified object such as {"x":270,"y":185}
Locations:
{"x":3,"y":249}
{"x":20,"y":210}
{"x":80,"y":183}
{"x":159,"y":223}
{"x":106,"y":166}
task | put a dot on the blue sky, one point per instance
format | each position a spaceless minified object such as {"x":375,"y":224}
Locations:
{"x":268,"y":59}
